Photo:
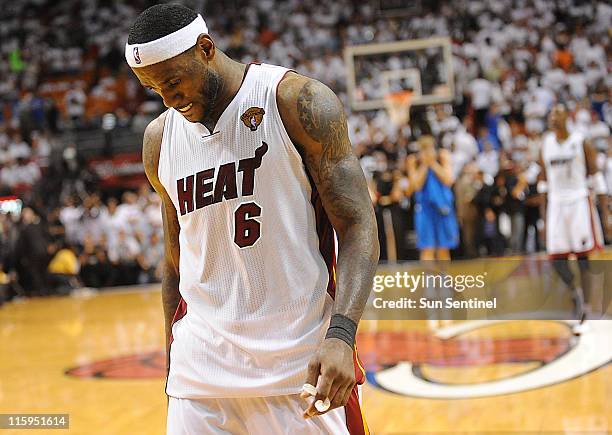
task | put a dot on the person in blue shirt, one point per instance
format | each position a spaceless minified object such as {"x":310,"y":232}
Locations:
{"x":484,"y":136}
{"x":430,"y":176}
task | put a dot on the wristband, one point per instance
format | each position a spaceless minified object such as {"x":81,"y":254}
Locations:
{"x":343,"y":328}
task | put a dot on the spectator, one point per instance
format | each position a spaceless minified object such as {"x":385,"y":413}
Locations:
{"x":466,"y":187}
{"x":488,"y":159}
{"x":484,"y":137}
{"x":492,"y":240}
{"x":90,"y":271}
{"x":150,"y":261}
{"x":488,"y":200}
{"x":563,"y":57}
{"x":533,"y":202}
{"x":535,"y":112}
{"x":435,"y":222}
{"x":18,"y":148}
{"x":481,"y":92}
{"x":63,"y":269}
{"x":464,"y":149}
{"x":96,"y":270}
{"x":31,"y":254}
{"x":74,"y":102}
{"x":390,"y":188}
{"x":516,"y":187}
{"x":123,"y":254}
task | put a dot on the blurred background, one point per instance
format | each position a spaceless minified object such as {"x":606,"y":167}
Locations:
{"x":75,"y":207}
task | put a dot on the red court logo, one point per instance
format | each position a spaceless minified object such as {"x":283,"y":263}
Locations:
{"x":397,"y":361}
{"x":149,"y":365}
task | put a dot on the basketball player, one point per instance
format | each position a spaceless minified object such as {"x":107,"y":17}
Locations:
{"x":256,"y":171}
{"x":572,"y":223}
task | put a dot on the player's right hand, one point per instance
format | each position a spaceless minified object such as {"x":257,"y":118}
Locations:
{"x":332,"y":371}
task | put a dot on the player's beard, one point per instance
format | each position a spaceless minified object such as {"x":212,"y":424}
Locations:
{"x":210,"y":90}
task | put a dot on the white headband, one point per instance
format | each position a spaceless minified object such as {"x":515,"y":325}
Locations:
{"x":166,"y":47}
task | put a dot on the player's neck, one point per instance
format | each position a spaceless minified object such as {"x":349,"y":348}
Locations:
{"x":232,"y":74}
{"x":562,"y":133}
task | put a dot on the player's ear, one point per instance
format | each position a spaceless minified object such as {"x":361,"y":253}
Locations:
{"x":205,"y":47}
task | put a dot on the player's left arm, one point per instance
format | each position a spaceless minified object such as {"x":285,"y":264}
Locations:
{"x":599,"y":185}
{"x":315,"y":120}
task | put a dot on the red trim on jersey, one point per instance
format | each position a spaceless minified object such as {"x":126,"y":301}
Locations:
{"x":596,"y":245}
{"x":564,"y":255}
{"x":360,"y":375}
{"x":355,"y":421}
{"x":180,"y":312}
{"x":246,"y":70}
{"x":559,"y":256}
{"x":325,"y":231}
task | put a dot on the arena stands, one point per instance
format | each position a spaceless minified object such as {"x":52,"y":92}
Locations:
{"x":72,"y":116}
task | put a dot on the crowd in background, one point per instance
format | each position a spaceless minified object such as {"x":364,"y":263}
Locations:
{"x":85,"y":242}
{"x":62,"y":69}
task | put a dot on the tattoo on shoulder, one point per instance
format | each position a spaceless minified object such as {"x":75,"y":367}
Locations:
{"x":322,"y":117}
{"x":333,"y":166}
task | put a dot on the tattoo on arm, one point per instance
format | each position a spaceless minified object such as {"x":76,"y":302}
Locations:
{"x":334,"y":168}
{"x":323,"y":119}
{"x":344,"y":193}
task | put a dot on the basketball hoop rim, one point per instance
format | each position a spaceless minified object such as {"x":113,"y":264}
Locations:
{"x":399,"y":97}
{"x":398,"y":105}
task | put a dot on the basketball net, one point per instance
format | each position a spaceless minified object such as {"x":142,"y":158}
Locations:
{"x":398,"y":107}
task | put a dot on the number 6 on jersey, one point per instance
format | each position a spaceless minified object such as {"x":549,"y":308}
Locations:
{"x":247,"y":229}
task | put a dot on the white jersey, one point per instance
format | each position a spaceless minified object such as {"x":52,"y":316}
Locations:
{"x":256,"y":250}
{"x":565,"y":163}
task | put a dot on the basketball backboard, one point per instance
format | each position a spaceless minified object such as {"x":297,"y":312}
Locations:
{"x":423,"y":66}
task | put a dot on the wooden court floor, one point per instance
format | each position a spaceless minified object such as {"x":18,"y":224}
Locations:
{"x":98,"y":358}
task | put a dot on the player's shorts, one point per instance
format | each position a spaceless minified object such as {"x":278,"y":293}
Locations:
{"x":572,"y":227}
{"x":261,"y":416}
{"x":434,"y":229}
